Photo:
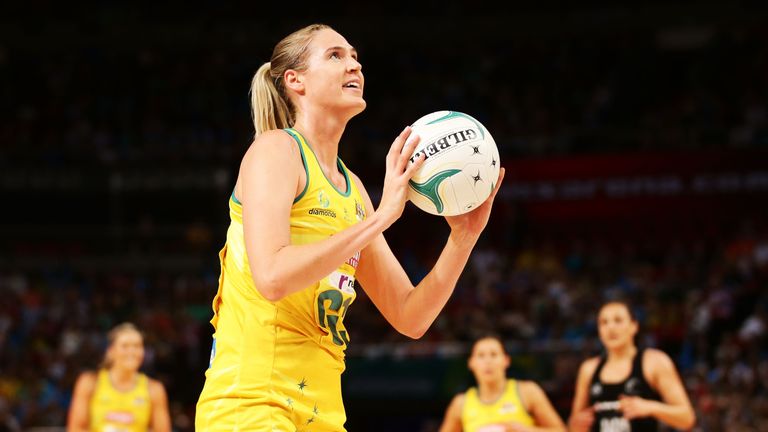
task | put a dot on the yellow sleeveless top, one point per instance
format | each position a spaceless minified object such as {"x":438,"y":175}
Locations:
{"x":477,"y":416}
{"x":277,"y":365}
{"x":112,"y":410}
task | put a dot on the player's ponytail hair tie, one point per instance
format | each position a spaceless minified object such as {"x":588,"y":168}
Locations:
{"x":275,"y":80}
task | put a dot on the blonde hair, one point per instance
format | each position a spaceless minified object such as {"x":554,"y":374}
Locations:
{"x":112,"y":336}
{"x":271,"y":108}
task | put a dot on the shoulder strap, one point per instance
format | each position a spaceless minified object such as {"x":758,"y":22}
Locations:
{"x":299,"y":140}
{"x":596,"y":374}
{"x":470,"y":397}
{"x":637,"y":363}
{"x":513,"y":387}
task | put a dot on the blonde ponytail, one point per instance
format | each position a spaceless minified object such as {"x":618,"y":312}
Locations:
{"x":269,"y":109}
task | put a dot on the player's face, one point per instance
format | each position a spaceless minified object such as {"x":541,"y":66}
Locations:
{"x":334,"y":77}
{"x":488,"y":361}
{"x":127,"y":351}
{"x":616,"y":327}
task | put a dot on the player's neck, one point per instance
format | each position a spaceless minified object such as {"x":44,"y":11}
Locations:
{"x":491,"y":391}
{"x":323,"y":137}
{"x":622,"y":353}
{"x":122,"y":379}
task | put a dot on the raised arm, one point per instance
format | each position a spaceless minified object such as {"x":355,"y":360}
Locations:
{"x":411,"y":310}
{"x":78,"y":418}
{"x":675,"y":408}
{"x":452,"y":419}
{"x":161,"y":418}
{"x":270,"y":178}
{"x":582,"y":415}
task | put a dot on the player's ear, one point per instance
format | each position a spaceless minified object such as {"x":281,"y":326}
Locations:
{"x":294,"y":80}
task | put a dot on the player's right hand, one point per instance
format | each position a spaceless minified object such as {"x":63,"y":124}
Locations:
{"x":399,"y":172}
{"x":582,"y":420}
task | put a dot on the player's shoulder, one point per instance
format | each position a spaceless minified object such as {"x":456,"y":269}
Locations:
{"x":655,"y":358}
{"x":589,"y":366}
{"x":591,"y":363}
{"x":275,"y":136}
{"x":270,"y":144}
{"x":528,"y":386}
{"x":356,"y":179}
{"x":88,"y":376}
{"x":156,"y":387}
{"x":458,"y":401}
{"x":87,"y":380}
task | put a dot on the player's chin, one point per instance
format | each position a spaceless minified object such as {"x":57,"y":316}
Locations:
{"x":357,"y":105}
{"x":359,"y":101}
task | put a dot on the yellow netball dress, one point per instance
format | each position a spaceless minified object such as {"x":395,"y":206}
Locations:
{"x":478,"y":416}
{"x":276,"y":366}
{"x":113,"y":410}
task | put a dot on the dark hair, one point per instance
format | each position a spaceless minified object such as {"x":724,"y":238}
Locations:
{"x":489,"y":335}
{"x":623,"y":302}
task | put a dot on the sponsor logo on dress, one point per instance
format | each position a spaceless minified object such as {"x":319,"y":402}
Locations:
{"x":607,"y":406}
{"x":122,"y":417}
{"x":322,"y":212}
{"x":615,"y":424}
{"x":322,"y":199}
{"x":507,"y":408}
{"x":342,"y":281}
{"x":632,"y":386}
{"x":359,"y":211}
{"x":354,"y":260}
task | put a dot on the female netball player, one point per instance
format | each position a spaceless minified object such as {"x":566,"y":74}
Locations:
{"x":497,"y":403}
{"x":302,"y":230}
{"x":628,"y":388}
{"x":118,"y":397}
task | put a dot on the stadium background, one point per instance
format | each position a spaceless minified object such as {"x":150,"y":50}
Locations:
{"x":635,"y":140}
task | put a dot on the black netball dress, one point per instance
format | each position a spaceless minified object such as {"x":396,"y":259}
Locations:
{"x":604,"y":397}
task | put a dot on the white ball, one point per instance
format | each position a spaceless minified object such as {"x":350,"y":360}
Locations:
{"x":462,"y":165}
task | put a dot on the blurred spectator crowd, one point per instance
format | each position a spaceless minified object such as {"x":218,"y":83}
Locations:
{"x":703,"y":302}
{"x":110,"y":96}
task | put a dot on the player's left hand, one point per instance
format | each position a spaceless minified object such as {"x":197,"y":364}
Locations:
{"x":634,"y":407}
{"x":472,"y":223}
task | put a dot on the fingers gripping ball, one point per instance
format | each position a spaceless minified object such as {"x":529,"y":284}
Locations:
{"x":461,"y":166}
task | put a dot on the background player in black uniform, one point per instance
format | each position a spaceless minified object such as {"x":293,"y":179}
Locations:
{"x":628,"y":388}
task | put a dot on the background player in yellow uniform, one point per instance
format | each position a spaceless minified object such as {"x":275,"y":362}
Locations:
{"x":302,"y":230}
{"x":499,"y":404}
{"x":117,"y":397}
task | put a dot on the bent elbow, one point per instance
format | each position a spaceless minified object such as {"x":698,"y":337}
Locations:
{"x":413,"y":332}
{"x":690,"y":421}
{"x":271,"y":295}
{"x":269,"y":288}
